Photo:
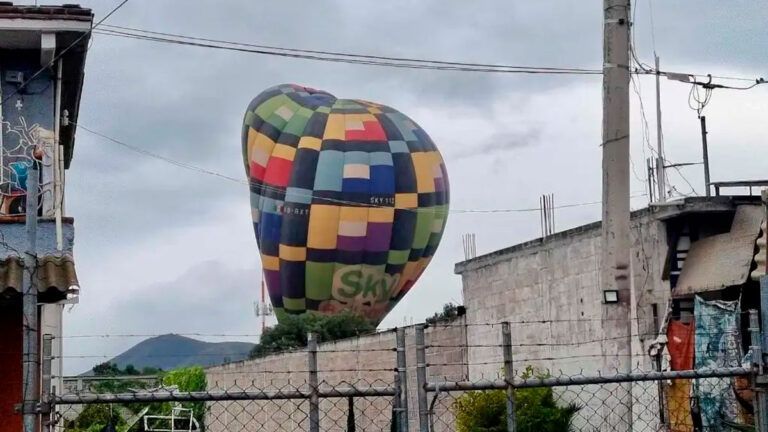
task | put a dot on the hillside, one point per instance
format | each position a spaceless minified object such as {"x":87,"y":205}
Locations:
{"x":171,"y":351}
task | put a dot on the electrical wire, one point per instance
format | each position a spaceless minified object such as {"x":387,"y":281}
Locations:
{"x":346,"y":54}
{"x":206,"y":171}
{"x":364,"y":59}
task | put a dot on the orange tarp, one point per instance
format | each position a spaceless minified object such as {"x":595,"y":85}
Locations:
{"x":680,"y":338}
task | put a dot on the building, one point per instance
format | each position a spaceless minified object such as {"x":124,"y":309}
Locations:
{"x":695,"y":246}
{"x":42,"y":57}
{"x":549,"y":290}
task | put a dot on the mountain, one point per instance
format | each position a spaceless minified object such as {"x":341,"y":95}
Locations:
{"x":171,"y":351}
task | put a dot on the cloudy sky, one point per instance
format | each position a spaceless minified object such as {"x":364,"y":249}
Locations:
{"x":162,"y":249}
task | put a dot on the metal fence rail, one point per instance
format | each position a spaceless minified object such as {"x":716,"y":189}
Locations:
{"x":527,"y":399}
{"x":435,"y":393}
{"x":267,"y":400}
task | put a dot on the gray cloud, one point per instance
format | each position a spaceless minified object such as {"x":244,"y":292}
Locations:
{"x":499,"y":143}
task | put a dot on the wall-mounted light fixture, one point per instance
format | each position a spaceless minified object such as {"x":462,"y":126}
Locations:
{"x":610,"y":296}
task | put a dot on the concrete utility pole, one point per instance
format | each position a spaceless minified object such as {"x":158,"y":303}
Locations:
{"x":660,"y":179}
{"x":615,"y":275}
{"x":30,"y":360}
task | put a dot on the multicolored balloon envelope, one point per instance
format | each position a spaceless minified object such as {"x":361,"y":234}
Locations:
{"x":349,"y":200}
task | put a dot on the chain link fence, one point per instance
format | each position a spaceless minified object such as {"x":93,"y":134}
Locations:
{"x":426,"y":382}
{"x":311,"y":397}
{"x":359,"y":406}
{"x":626,"y":402}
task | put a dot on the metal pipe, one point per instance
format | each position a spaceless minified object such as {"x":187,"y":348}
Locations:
{"x":218,"y":396}
{"x":660,"y":180}
{"x":403,"y":377}
{"x":509,"y":375}
{"x":421,"y":378}
{"x":762,"y":397}
{"x":30,"y":360}
{"x":705,"y":152}
{"x":587,"y":380}
{"x":314,"y":399}
{"x":57,"y":166}
{"x":46,"y":387}
{"x":757,"y":364}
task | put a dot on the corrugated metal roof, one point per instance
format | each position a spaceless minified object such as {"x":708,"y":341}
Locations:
{"x":56,"y":277}
{"x":65,"y":12}
{"x":723,"y":260}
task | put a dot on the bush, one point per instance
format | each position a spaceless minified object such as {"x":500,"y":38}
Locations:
{"x":188,"y":379}
{"x":535,"y":408}
{"x":291,"y":331}
{"x":94,"y":418}
{"x":449,"y":313}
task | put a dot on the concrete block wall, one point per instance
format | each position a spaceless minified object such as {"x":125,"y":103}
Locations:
{"x":549,"y":291}
{"x":364,"y":361}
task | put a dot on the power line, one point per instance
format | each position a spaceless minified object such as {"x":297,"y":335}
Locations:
{"x":343,"y":54}
{"x":206,"y":171}
{"x":366,"y":59}
{"x":334,"y":56}
{"x":61,"y":54}
{"x":148,"y":153}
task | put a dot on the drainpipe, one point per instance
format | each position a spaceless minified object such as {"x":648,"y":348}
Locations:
{"x":57,"y":161}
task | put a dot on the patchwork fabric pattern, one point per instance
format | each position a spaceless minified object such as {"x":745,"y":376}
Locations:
{"x":349,"y":200}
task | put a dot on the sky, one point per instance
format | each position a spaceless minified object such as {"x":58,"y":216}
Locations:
{"x":161,"y":249}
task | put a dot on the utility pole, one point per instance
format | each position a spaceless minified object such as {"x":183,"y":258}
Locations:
{"x":705,"y":151}
{"x":30,"y":360}
{"x":615,"y":275}
{"x":660,"y":180}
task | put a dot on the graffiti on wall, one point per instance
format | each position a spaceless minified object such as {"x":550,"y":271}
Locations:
{"x":23,"y":145}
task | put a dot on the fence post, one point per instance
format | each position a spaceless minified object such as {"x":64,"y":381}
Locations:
{"x":314,"y":399}
{"x":421,"y":378}
{"x":761,"y":383}
{"x":46,"y":381}
{"x":402,"y":378}
{"x":757,"y":365}
{"x":509,"y":375}
{"x":397,"y":408}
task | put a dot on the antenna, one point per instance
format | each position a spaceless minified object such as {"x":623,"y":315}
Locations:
{"x":263,"y":309}
{"x":468,"y":241}
{"x":547,"y":211}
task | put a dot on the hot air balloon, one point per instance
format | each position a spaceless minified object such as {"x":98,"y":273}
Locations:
{"x":349,"y":200}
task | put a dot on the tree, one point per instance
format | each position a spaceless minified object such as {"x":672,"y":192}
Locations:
{"x":188,"y":379}
{"x":291,"y":332}
{"x":106,"y":369}
{"x":536,"y":410}
{"x":449,"y":313}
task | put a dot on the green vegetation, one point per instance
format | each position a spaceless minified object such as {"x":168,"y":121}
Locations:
{"x":536,"y":410}
{"x":449,"y":313}
{"x":94,"y":418}
{"x":291,"y":332}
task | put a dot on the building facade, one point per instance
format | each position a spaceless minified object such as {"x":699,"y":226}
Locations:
{"x":42,"y":56}
{"x":550,"y":292}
